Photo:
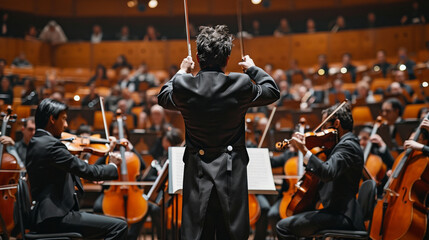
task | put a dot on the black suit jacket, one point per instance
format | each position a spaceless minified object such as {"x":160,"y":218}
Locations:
{"x":53,"y":171}
{"x":213,"y":106}
{"x":340,"y":176}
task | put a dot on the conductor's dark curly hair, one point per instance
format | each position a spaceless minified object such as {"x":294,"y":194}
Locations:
{"x":214,"y":46}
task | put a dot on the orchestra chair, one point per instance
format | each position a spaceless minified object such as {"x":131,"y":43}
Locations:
{"x":23,"y":206}
{"x":367,"y":199}
{"x":411,"y":111}
{"x":362,"y":115}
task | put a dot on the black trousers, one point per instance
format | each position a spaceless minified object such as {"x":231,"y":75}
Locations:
{"x":308,"y":223}
{"x":91,"y":226}
{"x":214,"y":225}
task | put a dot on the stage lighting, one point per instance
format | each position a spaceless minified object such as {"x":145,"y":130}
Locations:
{"x":153,"y":3}
{"x":343,"y":70}
{"x":131,"y":3}
{"x":256,"y":1}
{"x":402,"y":67}
{"x":76,"y":98}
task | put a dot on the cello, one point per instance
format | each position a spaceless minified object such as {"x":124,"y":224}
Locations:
{"x":375,"y":165}
{"x":8,"y":179}
{"x":402,"y":213}
{"x":125,"y":200}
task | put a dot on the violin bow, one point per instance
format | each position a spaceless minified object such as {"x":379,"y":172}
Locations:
{"x":240,"y":26}
{"x":330,"y":115}
{"x":188,"y":36}
{"x":104,"y":118}
{"x":266,"y":127}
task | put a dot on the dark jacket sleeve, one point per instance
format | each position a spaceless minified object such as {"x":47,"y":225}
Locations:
{"x":67,"y":162}
{"x":264,"y":90}
{"x":336,"y":165}
{"x":165,"y":96}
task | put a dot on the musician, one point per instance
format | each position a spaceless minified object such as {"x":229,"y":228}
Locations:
{"x":339,"y":176}
{"x":28,"y":129}
{"x":213,"y":105}
{"x":422,"y":143}
{"x":392,"y":110}
{"x":53,"y":174}
{"x":379,"y":147}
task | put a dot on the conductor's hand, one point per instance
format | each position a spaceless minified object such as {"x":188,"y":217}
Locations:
{"x":298,"y":142}
{"x":115,"y":158}
{"x":5,"y":140}
{"x":246,"y":63}
{"x":187,"y":64}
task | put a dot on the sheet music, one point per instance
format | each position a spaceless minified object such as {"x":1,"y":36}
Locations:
{"x":259,"y":174}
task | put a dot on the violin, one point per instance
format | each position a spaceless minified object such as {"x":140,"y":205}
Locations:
{"x":325,"y":139}
{"x":7,"y":162}
{"x":96,"y":146}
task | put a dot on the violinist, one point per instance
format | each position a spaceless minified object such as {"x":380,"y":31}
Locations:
{"x":422,"y":144}
{"x":53,"y":173}
{"x":339,"y":176}
{"x":213,"y":105}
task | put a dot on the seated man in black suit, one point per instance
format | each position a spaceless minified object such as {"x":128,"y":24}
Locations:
{"x":54,"y":172}
{"x":339,"y":176}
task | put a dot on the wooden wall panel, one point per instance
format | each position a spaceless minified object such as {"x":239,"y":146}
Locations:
{"x":360,"y":2}
{"x":22,"y":6}
{"x":74,"y":55}
{"x":390,"y":39}
{"x":310,"y":4}
{"x":278,"y":5}
{"x":306,"y":47}
{"x":274,"y":50}
{"x":357,"y":43}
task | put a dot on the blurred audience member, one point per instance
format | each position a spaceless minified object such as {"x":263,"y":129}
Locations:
{"x":414,"y":16}
{"x":124,"y":81}
{"x":283,"y":28}
{"x":6,"y":92}
{"x":284,"y":93}
{"x":111,"y":101}
{"x":269,"y":68}
{"x":58,"y":96}
{"x":100,"y":78}
{"x":323,"y":68}
{"x":317,"y":95}
{"x":338,"y":88}
{"x":121,"y":62}
{"x":29,"y":94}
{"x":91,"y":100}
{"x":143,"y":79}
{"x":382,"y":64}
{"x":2,"y":66}
{"x":371,"y":20}
{"x":97,"y":34}
{"x":53,"y":33}
{"x":256,"y":28}
{"x":348,"y":67}
{"x":124,"y":35}
{"x":401,"y":79}
{"x":404,"y":63}
{"x":4,"y":30}
{"x":364,"y":92}
{"x":294,"y":69}
{"x":311,"y":26}
{"x":151,"y":34}
{"x":21,"y":61}
{"x":31,"y":34}
{"x":172,"y":70}
{"x":340,"y":24}
{"x":157,"y":119}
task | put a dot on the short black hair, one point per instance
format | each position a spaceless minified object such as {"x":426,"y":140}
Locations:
{"x":396,"y":105}
{"x":3,"y":60}
{"x":344,"y":114}
{"x":214,"y":46}
{"x":47,"y":108}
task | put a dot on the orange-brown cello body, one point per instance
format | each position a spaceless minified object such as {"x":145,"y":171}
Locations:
{"x":290,"y":169}
{"x":405,"y":216}
{"x":376,"y":167}
{"x":7,"y":200}
{"x":126,"y":201}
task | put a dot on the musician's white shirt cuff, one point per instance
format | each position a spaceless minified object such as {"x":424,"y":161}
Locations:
{"x":113,"y":165}
{"x":181,"y":72}
{"x":307,"y":156}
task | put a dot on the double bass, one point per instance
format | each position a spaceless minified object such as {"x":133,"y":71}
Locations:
{"x":125,"y":200}
{"x":402,"y":213}
{"x":8,"y":179}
